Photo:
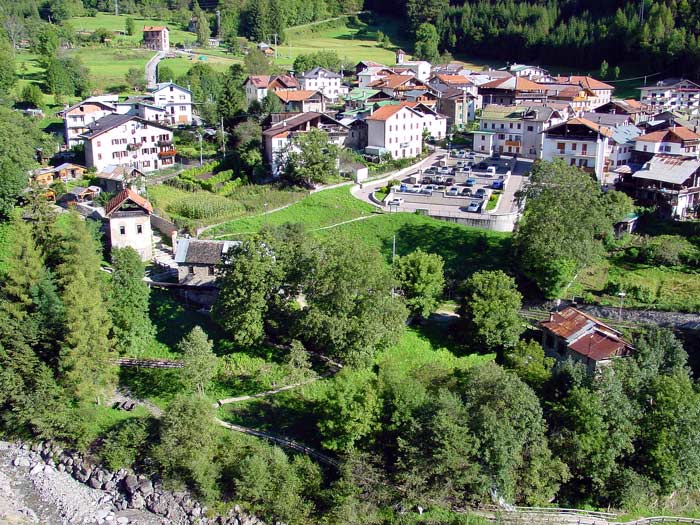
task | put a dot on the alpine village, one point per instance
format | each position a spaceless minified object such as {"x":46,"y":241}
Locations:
{"x":349,"y":262}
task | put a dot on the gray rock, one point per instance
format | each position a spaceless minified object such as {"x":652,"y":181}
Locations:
{"x":94,"y":483}
{"x":21,"y":462}
{"x":136,"y":501}
{"x":146,"y":488}
{"x":122,"y":520}
{"x":61,"y":467}
{"x":83,"y":474}
{"x":36,"y":469}
{"x":109,"y":486}
{"x":158,"y":504}
{"x":130,"y":484}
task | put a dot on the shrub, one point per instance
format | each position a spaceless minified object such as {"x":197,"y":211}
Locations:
{"x":613,"y":286}
{"x":125,"y":443}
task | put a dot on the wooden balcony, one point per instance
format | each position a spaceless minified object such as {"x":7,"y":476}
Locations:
{"x":167,"y":153}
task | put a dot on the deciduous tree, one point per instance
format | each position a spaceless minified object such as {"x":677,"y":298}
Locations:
{"x":421,"y":279}
{"x":198,"y":361}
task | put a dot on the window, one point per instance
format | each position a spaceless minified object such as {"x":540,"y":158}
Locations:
{"x":190,"y":270}
{"x":211,"y":270}
{"x":122,"y":230}
{"x":139,"y":228}
{"x":573,"y":147}
{"x":99,"y":144}
{"x":645,"y":148}
{"x":511,"y":125}
{"x":99,"y":156}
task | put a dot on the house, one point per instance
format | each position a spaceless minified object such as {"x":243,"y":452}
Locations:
{"x":256,"y":87}
{"x":396,"y":85}
{"x":371,"y":74}
{"x":572,"y":334}
{"x":637,"y":111}
{"x":458,"y":106}
{"x":63,"y":173}
{"x":277,"y":139}
{"x":364,"y":98}
{"x":129,"y":217}
{"x":128,"y":140}
{"x":610,"y":120}
{"x":671,"y":182}
{"x":523,"y":70}
{"x":675,"y":140}
{"x":442,"y":83}
{"x":400,"y":56}
{"x":156,"y":38}
{"x":674,"y":94}
{"x":514,"y":130}
{"x":143,"y":106}
{"x":578,"y":97}
{"x":578,"y":142}
{"x":433,"y":122}
{"x":283,"y":82}
{"x":395,"y":129}
{"x":176,"y":100}
{"x":602,"y":91}
{"x":266,"y":49}
{"x":76,"y":118}
{"x":511,"y":90}
{"x":419,"y":68}
{"x":302,"y":101}
{"x":327,"y":82}
{"x":79,"y":195}
{"x":621,"y":145}
{"x":364,"y":64}
{"x":198,"y":260}
{"x":115,"y":178}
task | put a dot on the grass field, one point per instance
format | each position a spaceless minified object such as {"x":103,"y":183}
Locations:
{"x":118,"y":23}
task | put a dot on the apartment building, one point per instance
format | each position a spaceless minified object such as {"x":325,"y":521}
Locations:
{"x":128,"y":140}
{"x":675,"y":140}
{"x":673,"y":94}
{"x":76,"y":118}
{"x":397,"y":130}
{"x":602,"y":92}
{"x":156,"y":38}
{"x":176,"y":100}
{"x":327,"y":82}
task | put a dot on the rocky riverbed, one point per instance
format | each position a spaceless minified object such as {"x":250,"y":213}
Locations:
{"x":41,"y":483}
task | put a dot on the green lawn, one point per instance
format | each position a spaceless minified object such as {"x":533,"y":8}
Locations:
{"x":118,"y":23}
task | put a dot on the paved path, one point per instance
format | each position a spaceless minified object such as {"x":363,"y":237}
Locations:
{"x":152,"y":69}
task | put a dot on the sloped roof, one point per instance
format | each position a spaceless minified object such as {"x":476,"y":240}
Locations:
{"x":155,"y":28}
{"x":289,"y":124}
{"x":320,"y":72}
{"x":287,"y":81}
{"x":195,"y":251}
{"x":625,"y":133}
{"x":584,"y":81}
{"x":296,"y":96}
{"x":127,"y":195}
{"x":513,"y":84}
{"x":112,"y":121}
{"x":666,"y":135}
{"x":673,"y":169}
{"x":583,"y":122}
{"x":259,"y":81}
{"x":392,"y":81}
{"x":452,"y":80}
{"x":361,"y":94}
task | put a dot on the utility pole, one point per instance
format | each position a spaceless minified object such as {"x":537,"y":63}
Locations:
{"x":393,"y":250}
{"x":275,"y":35}
{"x":199,"y":134}
{"x":116,"y":7}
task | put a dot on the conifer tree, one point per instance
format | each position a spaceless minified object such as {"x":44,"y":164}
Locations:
{"x":199,"y":361}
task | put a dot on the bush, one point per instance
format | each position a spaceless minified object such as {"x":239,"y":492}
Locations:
{"x":125,"y":443}
{"x":642,"y":293}
{"x":667,"y":250}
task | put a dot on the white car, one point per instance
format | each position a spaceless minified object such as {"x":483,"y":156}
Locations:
{"x":395,"y":202}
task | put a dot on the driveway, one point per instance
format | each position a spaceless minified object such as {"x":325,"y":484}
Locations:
{"x":152,"y":69}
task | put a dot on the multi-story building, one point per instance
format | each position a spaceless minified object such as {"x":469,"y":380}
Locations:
{"x":327,"y":82}
{"x":458,"y":106}
{"x":602,"y":92}
{"x":302,"y":101}
{"x":672,"y":94}
{"x":278,"y":138}
{"x":675,"y":140}
{"x":256,"y":87}
{"x":128,"y":140}
{"x":176,"y":100}
{"x":579,"y":142}
{"x":523,"y":70}
{"x":637,"y":111}
{"x":396,"y":85}
{"x":76,"y":118}
{"x":156,"y":37}
{"x":129,"y":217}
{"x":515,"y":130}
{"x":371,"y":74}
{"x":512,"y":90}
{"x":395,"y":129}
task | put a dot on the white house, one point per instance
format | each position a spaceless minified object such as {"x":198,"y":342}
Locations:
{"x":602,"y":92}
{"x":77,"y":117}
{"x":327,"y":82}
{"x":371,"y":74}
{"x":397,"y":130}
{"x":579,"y":142}
{"x":129,"y":217}
{"x":673,"y":94}
{"x":622,"y":145}
{"x":128,"y":140}
{"x":525,"y":70}
{"x":143,"y":107}
{"x":176,"y":100}
{"x":256,"y":87}
{"x":675,"y":140}
{"x":434,"y":122}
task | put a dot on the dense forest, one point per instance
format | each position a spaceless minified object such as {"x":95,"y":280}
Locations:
{"x":663,"y":34}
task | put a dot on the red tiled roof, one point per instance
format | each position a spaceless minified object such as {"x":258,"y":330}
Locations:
{"x":599,"y":346}
{"x":587,"y":82}
{"x":666,"y":135}
{"x":295,"y":96}
{"x":580,"y":121}
{"x":392,"y":81}
{"x":451,"y":80}
{"x":154,"y":28}
{"x":259,"y":81}
{"x":513,"y":84}
{"x":125,"y":195}
{"x":284,"y":81}
{"x":385,"y":112}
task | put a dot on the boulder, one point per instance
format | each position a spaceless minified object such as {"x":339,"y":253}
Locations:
{"x":158,"y":504}
{"x":136,"y":501}
{"x":130,"y":484}
{"x":21,"y":462}
{"x":83,"y":474}
{"x":145,"y":487}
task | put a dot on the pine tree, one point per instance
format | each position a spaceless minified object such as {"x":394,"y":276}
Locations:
{"x":86,"y":352}
{"x":257,"y":20}
{"x":199,"y":361}
{"x":277,"y":20}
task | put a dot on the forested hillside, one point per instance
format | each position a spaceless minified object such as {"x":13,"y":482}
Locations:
{"x":661,"y":33}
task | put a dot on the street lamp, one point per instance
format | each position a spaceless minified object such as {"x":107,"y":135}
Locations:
{"x":622,"y":300}
{"x":200,"y":148}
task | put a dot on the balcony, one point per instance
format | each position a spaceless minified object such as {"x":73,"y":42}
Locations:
{"x":167,"y":153}
{"x":164,"y":143}
{"x":134,"y":146}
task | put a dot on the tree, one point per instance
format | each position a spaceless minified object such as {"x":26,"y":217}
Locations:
{"x":420,"y":11}
{"x":165,"y":74}
{"x":32,"y":95}
{"x":86,"y":367}
{"x":490,"y":306}
{"x":15,"y":29}
{"x":659,"y":352}
{"x":616,"y":72}
{"x":325,"y":59}
{"x":129,"y":26}
{"x":256,"y":18}
{"x":351,"y":312}
{"x":20,"y":136}
{"x":311,"y":158}
{"x":421,"y":279}
{"x":249,"y":277}
{"x":257,"y":63}
{"x":350,"y":410}
{"x":132,"y":330}
{"x":427,"y":40}
{"x":203,"y":31}
{"x":187,"y":439}
{"x":198,"y":361}
{"x":565,"y":219}
{"x":136,"y":78}
{"x":8,"y":72}
{"x":231,"y":100}
{"x":528,"y":361}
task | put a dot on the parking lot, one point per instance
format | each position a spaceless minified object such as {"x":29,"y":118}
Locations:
{"x":461,"y":183}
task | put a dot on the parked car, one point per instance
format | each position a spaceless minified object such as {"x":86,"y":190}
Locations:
{"x":491,"y":170}
{"x":497,"y":185}
{"x":474,"y":206}
{"x":403,"y":187}
{"x":482,"y":165}
{"x":427,"y":180}
{"x":395,"y":202}
{"x":426,"y":191}
{"x":460,"y":164}
{"x":453,"y":191}
{"x":415,"y":188}
{"x":466,"y":192}
{"x":480,"y":192}
{"x":471,"y":182}
{"x":449,"y":180}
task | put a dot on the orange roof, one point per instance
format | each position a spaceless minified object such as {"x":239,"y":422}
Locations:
{"x":579,"y":121}
{"x":125,"y":195}
{"x":513,"y":84}
{"x":295,"y":96}
{"x":392,"y":81}
{"x":587,"y":82}
{"x":453,"y":79}
{"x":665,"y":135}
{"x":385,"y":112}
{"x":154,"y":28}
{"x":634,"y":103}
{"x":259,"y":81}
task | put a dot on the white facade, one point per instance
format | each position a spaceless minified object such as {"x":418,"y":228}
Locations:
{"x":77,"y":118}
{"x":677,"y":94}
{"x":144,"y":110}
{"x":130,"y":141}
{"x":370,"y":75}
{"x":420,"y":68}
{"x":132,"y":231}
{"x":589,"y":155}
{"x":398,"y":129}
{"x":177,"y":102}
{"x":325,"y":81}
{"x":256,"y":88}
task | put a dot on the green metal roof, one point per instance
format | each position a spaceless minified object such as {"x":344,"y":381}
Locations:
{"x":361,"y":94}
